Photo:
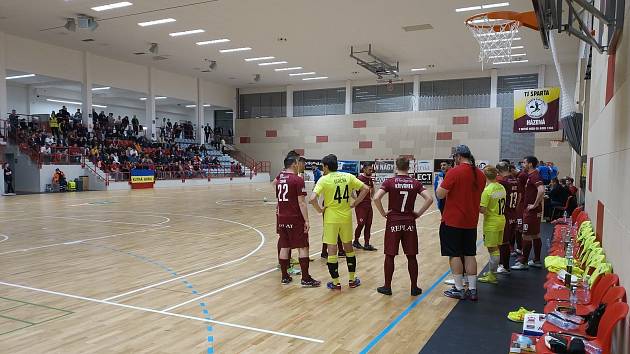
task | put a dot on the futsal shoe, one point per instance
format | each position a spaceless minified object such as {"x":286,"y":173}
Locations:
{"x":535,"y":264}
{"x":488,"y":278}
{"x":354,"y":283}
{"x":385,"y":291}
{"x":416,"y":291}
{"x":369,"y":248}
{"x":453,"y":293}
{"x":330,"y":285}
{"x":357,"y":244}
{"x":294,"y":271}
{"x":503,"y":271}
{"x":311,"y":283}
{"x":519,"y":266}
{"x":518,"y":315}
{"x":472,"y":295}
{"x":286,"y":280}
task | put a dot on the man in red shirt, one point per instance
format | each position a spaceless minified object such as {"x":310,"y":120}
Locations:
{"x":462,"y":188}
{"x":364,"y":211}
{"x":532,"y":213}
{"x":401,"y":222}
{"x":292,"y":221}
{"x":510,"y":184}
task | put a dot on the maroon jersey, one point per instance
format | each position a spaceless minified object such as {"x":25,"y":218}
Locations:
{"x":288,"y":189}
{"x":402,"y":192}
{"x":367,"y":201}
{"x":512,"y":196}
{"x":531,"y":189}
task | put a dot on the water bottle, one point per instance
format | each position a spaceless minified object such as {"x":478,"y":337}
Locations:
{"x":569,"y":257}
{"x":564,"y":218}
{"x":560,"y":323}
{"x":586,"y":290}
{"x":573,"y":297}
{"x":591,"y":348}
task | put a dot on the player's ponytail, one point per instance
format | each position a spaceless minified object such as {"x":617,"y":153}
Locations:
{"x":474,"y":169}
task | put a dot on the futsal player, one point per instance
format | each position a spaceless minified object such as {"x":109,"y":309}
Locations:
{"x":336,"y":189}
{"x":364,"y":211}
{"x":402,"y":191}
{"x":292,"y":221}
{"x":492,"y":206}
{"x":510,"y":183}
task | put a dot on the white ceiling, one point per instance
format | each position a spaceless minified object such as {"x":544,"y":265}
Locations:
{"x":319,"y":34}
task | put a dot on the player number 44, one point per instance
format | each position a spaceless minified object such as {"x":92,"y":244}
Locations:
{"x":338,"y":196}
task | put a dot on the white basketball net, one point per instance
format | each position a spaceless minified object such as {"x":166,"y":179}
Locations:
{"x":494,"y":37}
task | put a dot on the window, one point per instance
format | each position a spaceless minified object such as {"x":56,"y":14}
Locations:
{"x":454,"y":94}
{"x":319,"y":102}
{"x":263,"y":105}
{"x":382,"y":98}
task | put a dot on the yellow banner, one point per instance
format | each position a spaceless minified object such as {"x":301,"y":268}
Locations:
{"x":142,"y":179}
{"x":532,"y":96}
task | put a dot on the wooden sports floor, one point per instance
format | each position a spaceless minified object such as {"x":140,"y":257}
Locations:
{"x":194,"y":271}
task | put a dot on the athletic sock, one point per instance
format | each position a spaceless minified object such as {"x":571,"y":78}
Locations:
{"x":459,"y":281}
{"x":527,"y":248}
{"x":284,"y":266}
{"x":333,"y":268}
{"x":389,"y":270}
{"x":494,"y":261}
{"x":472,"y":282}
{"x":351,"y":260}
{"x":304,"y":261}
{"x":412,"y":267}
{"x":504,"y":252}
{"x":537,"y":249}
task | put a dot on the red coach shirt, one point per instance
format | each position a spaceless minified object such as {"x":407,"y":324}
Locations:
{"x":288,"y":189}
{"x":531,"y":190}
{"x":367,"y":201}
{"x":464,"y":195}
{"x":512,"y":195}
{"x":402,"y":192}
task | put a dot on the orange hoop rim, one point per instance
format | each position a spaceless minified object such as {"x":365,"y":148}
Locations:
{"x":527,"y":19}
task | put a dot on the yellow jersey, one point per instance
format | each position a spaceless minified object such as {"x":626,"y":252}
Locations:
{"x":493,"y":199}
{"x":337,"y":187}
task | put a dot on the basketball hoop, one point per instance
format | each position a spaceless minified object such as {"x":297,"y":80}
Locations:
{"x":495,"y":31}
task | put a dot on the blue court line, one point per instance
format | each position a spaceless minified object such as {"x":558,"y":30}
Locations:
{"x":403,"y":314}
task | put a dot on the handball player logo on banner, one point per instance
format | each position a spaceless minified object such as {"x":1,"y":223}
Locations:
{"x":536,"y":110}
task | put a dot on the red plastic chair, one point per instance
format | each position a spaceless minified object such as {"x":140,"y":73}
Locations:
{"x":576,"y":212}
{"x":615,"y":313}
{"x":605,"y":281}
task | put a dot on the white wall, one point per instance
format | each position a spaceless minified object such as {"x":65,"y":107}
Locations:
{"x":37,"y":57}
{"x":17,"y":98}
{"x":47,"y":171}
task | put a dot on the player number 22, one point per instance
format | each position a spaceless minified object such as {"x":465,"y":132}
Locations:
{"x":338,"y":196}
{"x":283,"y":189}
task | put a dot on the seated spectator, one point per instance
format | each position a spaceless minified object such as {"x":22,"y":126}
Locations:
{"x":557,"y":196}
{"x":571,"y":187}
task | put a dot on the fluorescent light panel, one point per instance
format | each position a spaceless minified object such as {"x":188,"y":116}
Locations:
{"x":156,"y":22}
{"x":214,"y":41}
{"x":302,"y":74}
{"x":479,"y":7}
{"x":73,"y":103}
{"x":98,"y":106}
{"x":19,"y":76}
{"x":510,"y":62}
{"x":194,"y":105}
{"x":260,"y":58}
{"x":186,"y":33}
{"x":242,"y":49}
{"x":315,"y":78}
{"x":273,"y":63}
{"x":157,"y":98}
{"x":289,"y":69}
{"x":470,"y":8}
{"x":419,"y":69}
{"x":100,"y":88}
{"x":115,"y":5}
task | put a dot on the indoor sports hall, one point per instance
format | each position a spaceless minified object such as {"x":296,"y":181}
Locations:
{"x":275,"y":176}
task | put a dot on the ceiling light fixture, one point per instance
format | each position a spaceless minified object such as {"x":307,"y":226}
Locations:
{"x":116,"y":5}
{"x":510,"y":62}
{"x":419,"y":69}
{"x":99,"y":106}
{"x":470,"y":8}
{"x":214,"y":41}
{"x":156,"y":22}
{"x":19,"y":76}
{"x":315,"y":78}
{"x":186,"y":33}
{"x":235,"y":50}
{"x":73,"y":103}
{"x":194,"y":105}
{"x":289,"y":69}
{"x":302,"y":74}
{"x":479,"y":7}
{"x":100,"y":88}
{"x":272,"y":63}
{"x":260,"y":58}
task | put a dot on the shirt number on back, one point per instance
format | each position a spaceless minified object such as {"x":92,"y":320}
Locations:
{"x":405,"y":194}
{"x":283,"y":189}
{"x":345,"y":196}
{"x":513,"y":200}
{"x":501,"y":206}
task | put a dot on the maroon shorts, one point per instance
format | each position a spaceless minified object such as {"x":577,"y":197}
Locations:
{"x":531,"y":222}
{"x":292,"y":236}
{"x":509,"y":232}
{"x":364,"y":214}
{"x":397,"y":232}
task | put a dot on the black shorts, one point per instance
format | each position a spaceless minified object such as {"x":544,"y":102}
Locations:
{"x":456,"y":242}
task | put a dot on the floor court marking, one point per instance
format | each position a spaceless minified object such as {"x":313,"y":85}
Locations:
{"x":3,"y":237}
{"x":406,"y":311}
{"x":227,"y":324}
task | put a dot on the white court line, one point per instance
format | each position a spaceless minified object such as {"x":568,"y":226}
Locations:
{"x":314,"y":340}
{"x":4,"y":237}
{"x":255,"y":276}
{"x":107,"y":221}
{"x":262,"y":242}
{"x":79,"y":241}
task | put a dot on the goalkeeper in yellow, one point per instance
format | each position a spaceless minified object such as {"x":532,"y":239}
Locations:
{"x":336,"y":188}
{"x":492,"y":207}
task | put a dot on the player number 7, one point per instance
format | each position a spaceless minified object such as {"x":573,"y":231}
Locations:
{"x":405,"y":194}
